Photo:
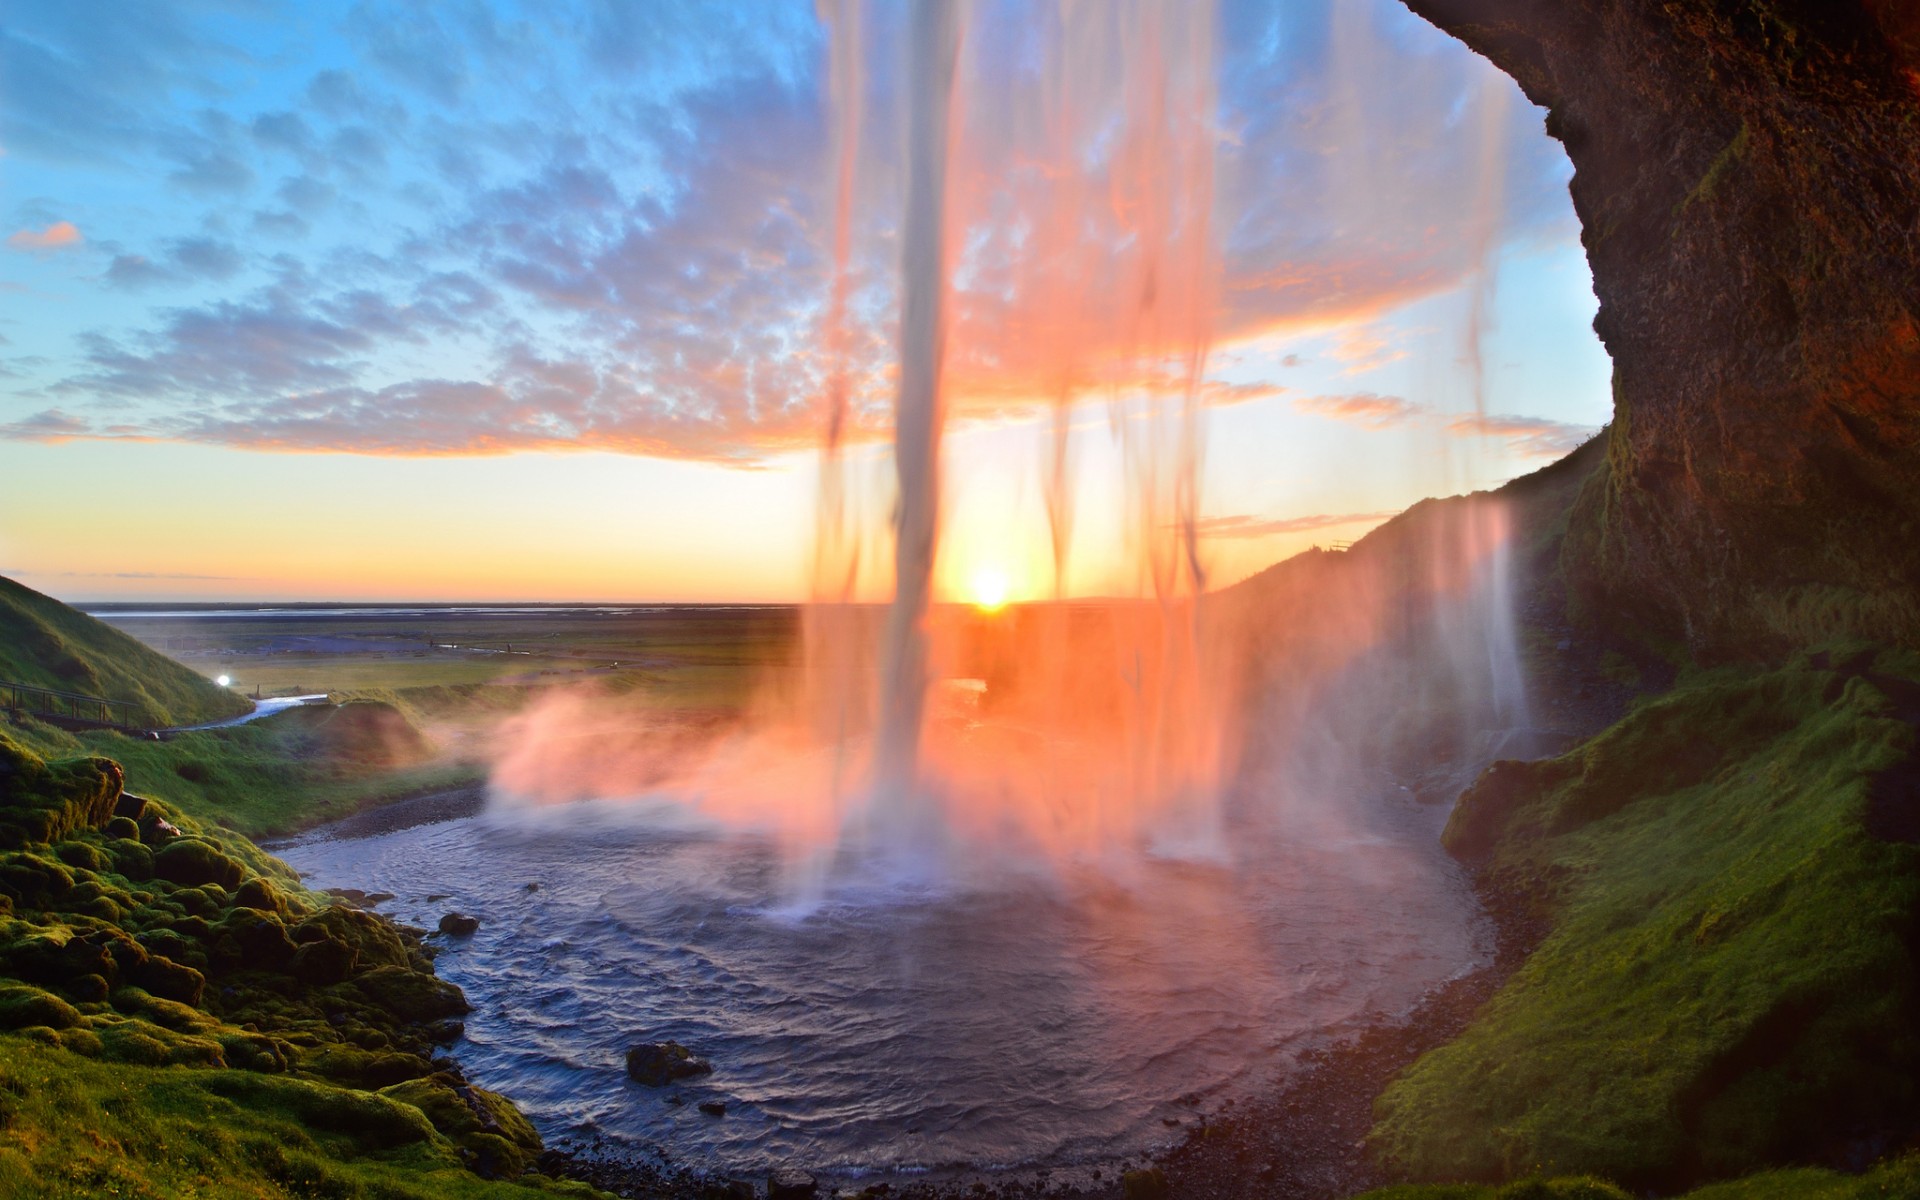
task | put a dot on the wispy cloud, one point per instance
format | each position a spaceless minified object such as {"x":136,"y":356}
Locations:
{"x":61,"y":235}
{"x":1363,"y":408}
{"x":605,"y":226}
{"x":1529,"y":437}
{"x":1243,"y":525}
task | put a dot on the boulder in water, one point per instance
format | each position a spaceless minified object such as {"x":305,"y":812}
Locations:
{"x":791,"y":1185}
{"x":656,"y":1064}
{"x":459,"y":925}
{"x":713,"y":1108}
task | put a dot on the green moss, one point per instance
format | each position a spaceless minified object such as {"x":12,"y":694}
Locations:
{"x":312,"y":1006}
{"x":482,"y":1123}
{"x":22,"y":1005}
{"x":285,"y":772}
{"x":45,"y":643}
{"x":1726,"y":979}
{"x":1719,"y":170}
{"x":1887,"y":1181}
{"x":75,"y":1127}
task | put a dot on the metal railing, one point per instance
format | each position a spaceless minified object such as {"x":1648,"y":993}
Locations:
{"x":56,"y":705}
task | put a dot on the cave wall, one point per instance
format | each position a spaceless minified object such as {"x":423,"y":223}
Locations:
{"x":1747,"y":178}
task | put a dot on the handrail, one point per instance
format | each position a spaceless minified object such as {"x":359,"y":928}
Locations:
{"x":46,"y":702}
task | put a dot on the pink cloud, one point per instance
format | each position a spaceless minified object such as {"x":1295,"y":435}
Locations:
{"x":1531,"y":437}
{"x":1362,"y":408}
{"x":1244,"y":525}
{"x":57,"y":236}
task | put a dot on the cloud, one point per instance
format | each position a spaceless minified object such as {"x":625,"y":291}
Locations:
{"x":1530,"y":437}
{"x":184,"y":260}
{"x":52,"y":425}
{"x":60,"y":235}
{"x":1242,"y":525}
{"x":1363,"y":408}
{"x":605,"y":225}
{"x":1219,"y":392}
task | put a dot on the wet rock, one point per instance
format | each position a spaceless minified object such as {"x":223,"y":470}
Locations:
{"x":791,"y":1185}
{"x":459,"y":925}
{"x":713,"y":1108}
{"x":1149,"y":1183}
{"x":656,"y":1064}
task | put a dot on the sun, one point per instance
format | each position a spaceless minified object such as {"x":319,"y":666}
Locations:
{"x":989,"y":589}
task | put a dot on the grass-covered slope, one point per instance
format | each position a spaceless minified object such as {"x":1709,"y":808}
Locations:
{"x":289,"y":771}
{"x":1727,"y":978}
{"x":179,"y":1017}
{"x":47,"y":644}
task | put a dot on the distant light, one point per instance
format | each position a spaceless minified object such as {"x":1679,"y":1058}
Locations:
{"x":223,"y":681}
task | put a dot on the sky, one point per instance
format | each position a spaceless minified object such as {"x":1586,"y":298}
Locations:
{"x":498,"y":301}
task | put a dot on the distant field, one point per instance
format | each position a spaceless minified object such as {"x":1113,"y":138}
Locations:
{"x":681,"y":655}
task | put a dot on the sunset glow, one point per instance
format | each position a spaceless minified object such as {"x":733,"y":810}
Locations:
{"x":990,"y":589}
{"x":588,"y":357}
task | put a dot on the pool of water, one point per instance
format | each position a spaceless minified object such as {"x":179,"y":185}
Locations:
{"x":1015,"y":1013}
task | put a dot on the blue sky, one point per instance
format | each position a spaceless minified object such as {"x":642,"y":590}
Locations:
{"x":425,"y":260}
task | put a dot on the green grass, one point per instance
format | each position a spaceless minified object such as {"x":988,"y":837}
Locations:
{"x":277,"y":775}
{"x":46,"y":644}
{"x":1897,"y":1179}
{"x":1727,"y":980}
{"x":74,"y":1127}
{"x":180,"y":1017}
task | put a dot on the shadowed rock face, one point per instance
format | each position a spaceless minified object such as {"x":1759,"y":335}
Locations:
{"x":1748,"y":184}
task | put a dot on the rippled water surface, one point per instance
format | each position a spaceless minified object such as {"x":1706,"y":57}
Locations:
{"x":1021,"y":1014}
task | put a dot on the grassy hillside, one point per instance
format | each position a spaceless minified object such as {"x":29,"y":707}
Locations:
{"x":48,"y":644}
{"x":286,"y":772}
{"x":1731,"y":890}
{"x":179,"y":1017}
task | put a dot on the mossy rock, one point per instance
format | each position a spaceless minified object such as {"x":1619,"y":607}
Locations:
{"x":260,"y":895}
{"x":411,"y":995}
{"x":34,"y":880}
{"x":125,"y":829}
{"x":255,"y":1052}
{"x":22,"y":1005}
{"x":42,"y":802}
{"x":364,"y":1068}
{"x":131,"y":859}
{"x":324,"y":962}
{"x":168,"y":1014}
{"x":83,"y":856}
{"x":133,"y":1042}
{"x":192,"y":862}
{"x":497,"y":1138}
{"x":251,"y":940}
{"x":171,"y":980}
{"x":374,"y":940}
{"x":373,"y":1121}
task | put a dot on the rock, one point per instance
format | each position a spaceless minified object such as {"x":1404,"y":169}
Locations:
{"x":713,"y":1108}
{"x":1744,"y":185}
{"x":656,"y":1064}
{"x":1148,"y":1183}
{"x":459,"y":925}
{"x":791,"y":1185}
{"x":192,"y":862}
{"x":124,"y":828}
{"x":157,"y":831}
{"x":323,"y":962}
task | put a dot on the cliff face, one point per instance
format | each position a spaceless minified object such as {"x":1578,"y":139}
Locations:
{"x":1747,"y":177}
